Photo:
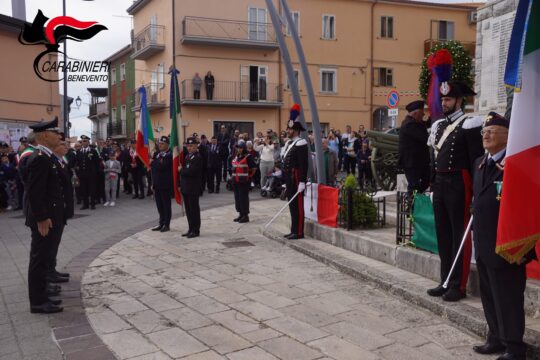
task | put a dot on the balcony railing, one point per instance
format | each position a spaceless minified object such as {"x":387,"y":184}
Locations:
{"x":117,"y":129}
{"x":98,"y":109}
{"x":206,"y":31}
{"x":155,"y":97}
{"x":470,"y":46}
{"x":234,"y":93}
{"x":148,"y":42}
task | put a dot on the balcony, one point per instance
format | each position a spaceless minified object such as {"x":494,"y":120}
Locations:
{"x":98,"y":109}
{"x":470,"y":46}
{"x":148,"y":42}
{"x":220,"y":32}
{"x":238,"y":94}
{"x":155,"y":98}
{"x":117,"y":129}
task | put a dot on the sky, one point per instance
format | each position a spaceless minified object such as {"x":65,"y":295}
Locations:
{"x":110,"y":13}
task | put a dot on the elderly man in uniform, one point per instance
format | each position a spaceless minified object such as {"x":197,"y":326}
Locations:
{"x":190,"y":187}
{"x":46,"y":214}
{"x":163,"y":183}
{"x":413,"y":148}
{"x":457,"y":143}
{"x":501,"y":284}
{"x":295,"y":167}
{"x":88,"y":162}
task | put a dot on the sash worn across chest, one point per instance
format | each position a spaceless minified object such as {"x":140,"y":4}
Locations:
{"x":449,"y":129}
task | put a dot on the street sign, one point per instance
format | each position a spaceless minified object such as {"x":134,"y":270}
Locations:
{"x":393,"y":112}
{"x":392,"y":99}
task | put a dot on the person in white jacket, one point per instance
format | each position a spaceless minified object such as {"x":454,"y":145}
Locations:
{"x":266,"y":150}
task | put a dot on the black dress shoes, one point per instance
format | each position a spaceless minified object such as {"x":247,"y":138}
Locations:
{"x":46,"y":308}
{"x":237,"y":219}
{"x":192,"y":235}
{"x":510,"y":356}
{"x":93,"y":207}
{"x":453,"y":295}
{"x":60,"y":274}
{"x":157,"y":228}
{"x":287,"y":236}
{"x":217,"y":191}
{"x":165,"y":228}
{"x":295,"y":237}
{"x":243,"y":219}
{"x":84,"y":208}
{"x":186,"y":234}
{"x":56,"y":279}
{"x":55,"y":302}
{"x":141,"y":197}
{"x":135,"y":197}
{"x":437,"y":291}
{"x":489,"y":348}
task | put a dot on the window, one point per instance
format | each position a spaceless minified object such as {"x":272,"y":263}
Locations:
{"x":295,"y":78}
{"x":387,"y":27}
{"x":122,"y":72}
{"x":113,"y":75}
{"x":328,"y":80}
{"x":161,"y":75}
{"x":296,"y":20}
{"x":123,"y":113}
{"x":257,"y":23}
{"x":113,"y":115}
{"x":384,"y":77}
{"x":329,"y":27}
{"x":446,"y":30}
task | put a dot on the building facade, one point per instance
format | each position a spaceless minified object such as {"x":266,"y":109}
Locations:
{"x":121,"y":87}
{"x":24,"y":98}
{"x":357,"y":51}
{"x":98,"y":114}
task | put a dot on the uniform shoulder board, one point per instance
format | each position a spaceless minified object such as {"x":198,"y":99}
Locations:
{"x":301,"y":142}
{"x":473,"y":122}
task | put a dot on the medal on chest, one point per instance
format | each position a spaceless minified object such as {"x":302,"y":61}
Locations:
{"x":499,"y":189}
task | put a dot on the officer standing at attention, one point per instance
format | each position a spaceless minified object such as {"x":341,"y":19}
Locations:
{"x":413,"y":149}
{"x":45,"y":215}
{"x":457,"y":143}
{"x":88,"y":161}
{"x":501,"y":284}
{"x":243,"y":168}
{"x":190,"y":187}
{"x":163,"y":183}
{"x":295,"y":167}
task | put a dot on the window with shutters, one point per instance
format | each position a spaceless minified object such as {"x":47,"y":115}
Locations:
{"x":383,"y":77}
{"x":113,"y":75}
{"x":387,"y":27}
{"x":328,"y":80}
{"x":329,"y":27}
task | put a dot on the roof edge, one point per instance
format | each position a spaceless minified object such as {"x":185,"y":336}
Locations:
{"x":429,"y":4}
{"x":12,"y":24}
{"x":136,"y":6}
{"x":123,"y":51}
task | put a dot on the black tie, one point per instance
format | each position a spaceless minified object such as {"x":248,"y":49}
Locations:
{"x":491,"y":162}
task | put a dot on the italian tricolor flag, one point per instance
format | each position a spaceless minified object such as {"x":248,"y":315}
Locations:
{"x":321,"y":204}
{"x":519,"y":217}
{"x":145,"y":135}
{"x":176,"y":131}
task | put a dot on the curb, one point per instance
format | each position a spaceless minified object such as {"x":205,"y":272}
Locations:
{"x":463,"y":316}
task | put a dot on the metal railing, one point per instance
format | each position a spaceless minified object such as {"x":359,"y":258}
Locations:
{"x":234,"y":91}
{"x":359,"y":209}
{"x":98,"y":108}
{"x":152,"y":35}
{"x":228,"y":30}
{"x":470,"y":46}
{"x":155,"y":96}
{"x":117,"y":128}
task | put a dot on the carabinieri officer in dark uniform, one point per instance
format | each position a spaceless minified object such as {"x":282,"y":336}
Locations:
{"x":88,"y":161}
{"x":190,"y":187}
{"x":295,"y":167}
{"x":457,"y":143}
{"x":163,"y":183}
{"x":501,"y":284}
{"x":45,"y":216}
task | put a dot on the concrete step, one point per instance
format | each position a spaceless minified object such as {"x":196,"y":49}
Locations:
{"x":409,"y":286}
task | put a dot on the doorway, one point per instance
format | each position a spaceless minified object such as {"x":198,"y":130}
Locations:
{"x":231,"y":126}
{"x":253,"y":82}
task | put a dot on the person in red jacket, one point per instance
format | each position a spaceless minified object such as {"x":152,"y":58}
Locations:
{"x":243,"y":168}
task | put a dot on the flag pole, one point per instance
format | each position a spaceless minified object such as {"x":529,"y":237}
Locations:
{"x":445,"y":285}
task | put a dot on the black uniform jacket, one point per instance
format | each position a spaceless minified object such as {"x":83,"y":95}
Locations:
{"x":45,"y":191}
{"x":223,"y":142}
{"x":162,"y":174}
{"x":87,"y":162}
{"x":203,"y":151}
{"x":191,"y":173}
{"x":296,"y":158}
{"x":64,"y":173}
{"x":214,"y":157}
{"x":413,"y":148}
{"x":486,"y":215}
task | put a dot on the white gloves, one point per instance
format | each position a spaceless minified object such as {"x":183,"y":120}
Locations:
{"x":301,"y":187}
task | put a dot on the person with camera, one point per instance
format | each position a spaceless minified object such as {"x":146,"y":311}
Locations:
{"x":265,"y":148}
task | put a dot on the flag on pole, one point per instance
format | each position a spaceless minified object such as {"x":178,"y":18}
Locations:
{"x":145,"y":136}
{"x":176,"y":131}
{"x":519,"y":220}
{"x":321,"y":204}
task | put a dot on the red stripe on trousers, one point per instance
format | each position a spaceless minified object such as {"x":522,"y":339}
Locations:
{"x":300,"y":200}
{"x":467,"y":247}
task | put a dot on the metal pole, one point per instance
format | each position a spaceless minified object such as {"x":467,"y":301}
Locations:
{"x":65,"y":98}
{"x":276,"y":21}
{"x":465,"y":234}
{"x":321,"y":174}
{"x":173,"y":35}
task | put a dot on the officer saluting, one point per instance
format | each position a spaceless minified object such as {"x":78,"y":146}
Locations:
{"x":190,"y":187}
{"x":45,"y":215}
{"x":88,"y":161}
{"x":457,"y":143}
{"x":501,"y":284}
{"x":295,"y":167}
{"x":163,"y":183}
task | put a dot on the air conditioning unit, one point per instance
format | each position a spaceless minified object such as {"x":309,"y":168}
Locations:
{"x":473,"y":17}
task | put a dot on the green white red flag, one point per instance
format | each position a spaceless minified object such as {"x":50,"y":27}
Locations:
{"x":176,"y":131}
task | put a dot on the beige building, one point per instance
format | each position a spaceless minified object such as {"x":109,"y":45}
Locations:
{"x":24,"y":98}
{"x":357,"y":51}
